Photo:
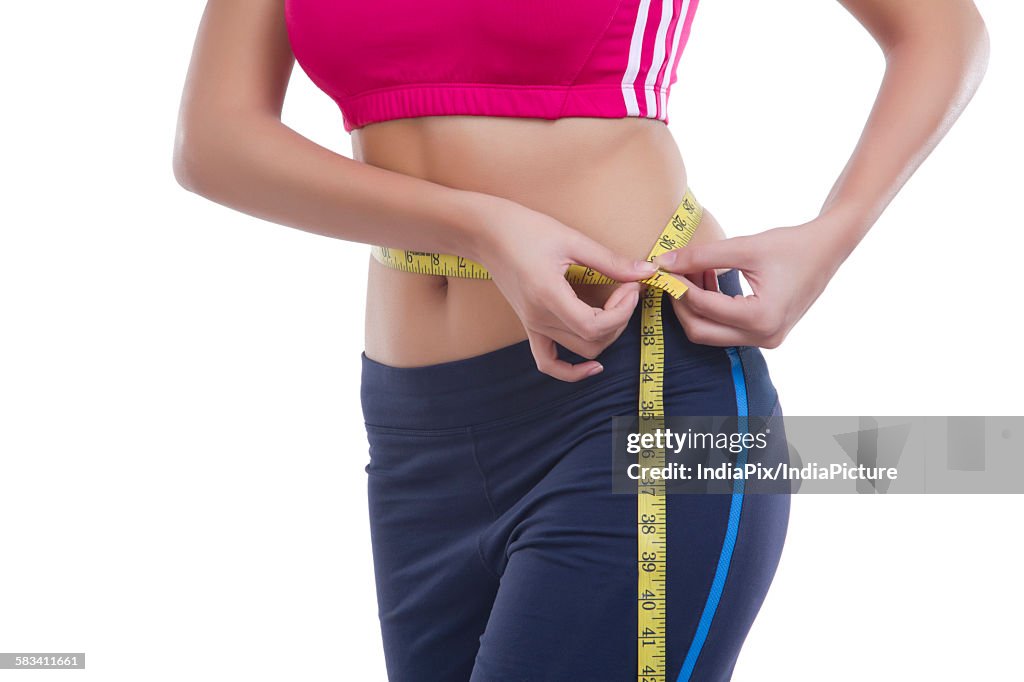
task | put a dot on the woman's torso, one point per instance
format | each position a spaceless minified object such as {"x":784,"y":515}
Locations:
{"x":615,"y":180}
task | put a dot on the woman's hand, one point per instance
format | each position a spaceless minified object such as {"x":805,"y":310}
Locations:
{"x":787,"y":268}
{"x":527,"y":253}
{"x":936,"y":54}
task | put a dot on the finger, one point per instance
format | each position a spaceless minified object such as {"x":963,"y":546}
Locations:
{"x":736,"y":252}
{"x":545,"y":354}
{"x":744,"y":312}
{"x":582,"y":320}
{"x":589,"y":350}
{"x":711,"y":280}
{"x":628,"y":296}
{"x":705,"y":332}
{"x":594,"y":255}
{"x":699,"y":278}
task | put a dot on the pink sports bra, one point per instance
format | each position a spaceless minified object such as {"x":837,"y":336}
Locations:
{"x":387,"y":59}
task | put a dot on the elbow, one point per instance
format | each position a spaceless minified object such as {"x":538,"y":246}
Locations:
{"x":973,"y":53}
{"x":187,"y":162}
{"x":199,"y":154}
{"x":980,"y":47}
{"x":209,"y":153}
{"x":184,"y":168}
{"x":956,"y":43}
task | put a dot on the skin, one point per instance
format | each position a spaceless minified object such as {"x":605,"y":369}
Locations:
{"x":936,"y":54}
{"x":527,"y":197}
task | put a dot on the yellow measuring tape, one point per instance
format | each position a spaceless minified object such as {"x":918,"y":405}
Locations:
{"x":652,"y":529}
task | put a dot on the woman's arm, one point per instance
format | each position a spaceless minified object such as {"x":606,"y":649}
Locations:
{"x":232,"y":148}
{"x":936,"y":52}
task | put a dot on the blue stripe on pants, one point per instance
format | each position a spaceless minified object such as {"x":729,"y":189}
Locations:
{"x":722,"y":571}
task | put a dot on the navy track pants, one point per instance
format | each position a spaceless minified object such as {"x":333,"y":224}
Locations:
{"x":500,"y":551}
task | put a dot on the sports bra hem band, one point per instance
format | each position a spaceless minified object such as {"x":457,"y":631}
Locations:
{"x":487,"y":99}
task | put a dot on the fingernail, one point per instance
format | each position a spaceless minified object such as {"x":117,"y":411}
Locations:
{"x":665,"y":259}
{"x":646,"y":267}
{"x":596,"y":369}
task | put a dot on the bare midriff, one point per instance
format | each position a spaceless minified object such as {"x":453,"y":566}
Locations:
{"x":616,"y":180}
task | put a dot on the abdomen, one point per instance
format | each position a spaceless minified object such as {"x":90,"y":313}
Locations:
{"x":615,"y":180}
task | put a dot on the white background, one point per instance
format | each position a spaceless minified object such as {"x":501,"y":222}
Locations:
{"x":182,"y":493}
